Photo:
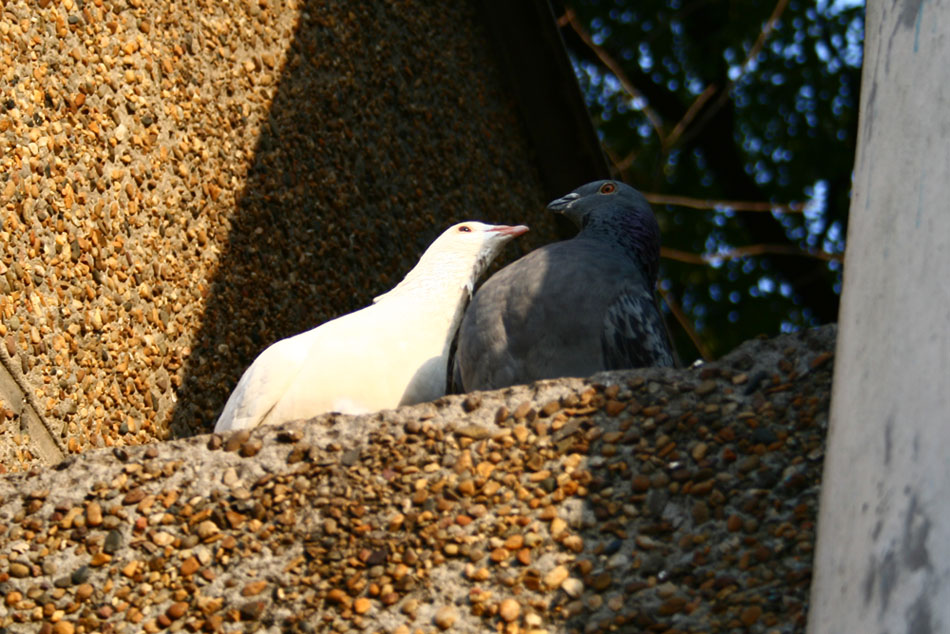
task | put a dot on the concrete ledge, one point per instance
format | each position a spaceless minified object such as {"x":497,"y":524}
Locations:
{"x":644,"y":500}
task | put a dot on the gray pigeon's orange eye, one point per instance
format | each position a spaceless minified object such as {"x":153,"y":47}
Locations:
{"x":465,"y":229}
{"x":608,"y":188}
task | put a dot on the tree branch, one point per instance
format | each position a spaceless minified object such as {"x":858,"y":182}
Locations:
{"x":712,"y":132}
{"x":570,"y":18}
{"x":767,"y":29}
{"x":741,"y":252}
{"x":683,"y":123}
{"x":736,"y":205}
{"x":686,"y":324}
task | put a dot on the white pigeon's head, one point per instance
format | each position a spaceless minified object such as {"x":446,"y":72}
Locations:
{"x":476,"y":241}
{"x":473,"y":245}
{"x":459,"y":256}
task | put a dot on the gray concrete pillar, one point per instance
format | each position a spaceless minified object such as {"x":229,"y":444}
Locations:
{"x":883,"y":557}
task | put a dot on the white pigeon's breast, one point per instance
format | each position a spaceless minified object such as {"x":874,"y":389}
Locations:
{"x":374,"y":359}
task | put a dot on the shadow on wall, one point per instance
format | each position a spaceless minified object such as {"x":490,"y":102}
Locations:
{"x":388,"y":124}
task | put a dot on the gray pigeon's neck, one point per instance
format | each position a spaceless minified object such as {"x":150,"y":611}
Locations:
{"x":635,"y":236}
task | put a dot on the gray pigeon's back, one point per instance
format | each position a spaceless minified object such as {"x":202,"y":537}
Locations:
{"x":571,"y":308}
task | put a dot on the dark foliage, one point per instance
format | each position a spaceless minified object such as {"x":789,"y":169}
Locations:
{"x":731,"y":100}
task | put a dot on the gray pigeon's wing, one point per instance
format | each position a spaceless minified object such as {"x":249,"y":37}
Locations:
{"x":634,"y":335}
{"x":453,"y":373}
{"x":454,"y":378}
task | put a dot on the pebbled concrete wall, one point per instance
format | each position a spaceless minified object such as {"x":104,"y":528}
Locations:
{"x":183,"y":183}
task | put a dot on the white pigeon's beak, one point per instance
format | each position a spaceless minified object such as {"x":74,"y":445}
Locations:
{"x":509,"y":230}
{"x":564,"y":202}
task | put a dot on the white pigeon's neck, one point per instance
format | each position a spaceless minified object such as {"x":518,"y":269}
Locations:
{"x":441,"y":278}
{"x":436,"y":291}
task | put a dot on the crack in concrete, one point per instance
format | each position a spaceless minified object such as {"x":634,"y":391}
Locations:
{"x":14,"y":389}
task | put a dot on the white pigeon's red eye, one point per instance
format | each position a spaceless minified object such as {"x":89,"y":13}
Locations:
{"x":465,"y":229}
{"x":608,"y":188}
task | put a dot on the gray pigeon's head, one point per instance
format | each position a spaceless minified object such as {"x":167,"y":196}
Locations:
{"x":614,"y":212}
{"x":598,"y":198}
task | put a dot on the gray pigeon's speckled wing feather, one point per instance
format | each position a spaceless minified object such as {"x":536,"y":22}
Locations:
{"x":634,"y":334}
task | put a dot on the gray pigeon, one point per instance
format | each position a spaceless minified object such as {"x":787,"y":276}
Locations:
{"x":575,"y":307}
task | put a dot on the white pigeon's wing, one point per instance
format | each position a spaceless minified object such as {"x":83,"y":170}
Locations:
{"x":379,"y":357}
{"x":634,"y":335}
{"x":263,"y":384}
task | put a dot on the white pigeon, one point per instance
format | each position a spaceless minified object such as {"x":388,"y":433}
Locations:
{"x":393,"y":352}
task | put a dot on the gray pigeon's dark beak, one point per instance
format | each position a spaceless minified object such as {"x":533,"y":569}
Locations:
{"x":564,"y":202}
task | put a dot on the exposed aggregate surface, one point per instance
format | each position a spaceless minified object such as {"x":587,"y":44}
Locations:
{"x":183,"y":183}
{"x":652,"y":501}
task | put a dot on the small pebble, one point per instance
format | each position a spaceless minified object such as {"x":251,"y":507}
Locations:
{"x":750,"y":615}
{"x":254,"y":588}
{"x":445,"y":617}
{"x":64,"y":627}
{"x":176,"y":610}
{"x":556,"y":576}
{"x":252,"y":610}
{"x":509,"y":610}
{"x":573,"y":586}
{"x":93,"y":514}
{"x":190,"y":566}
